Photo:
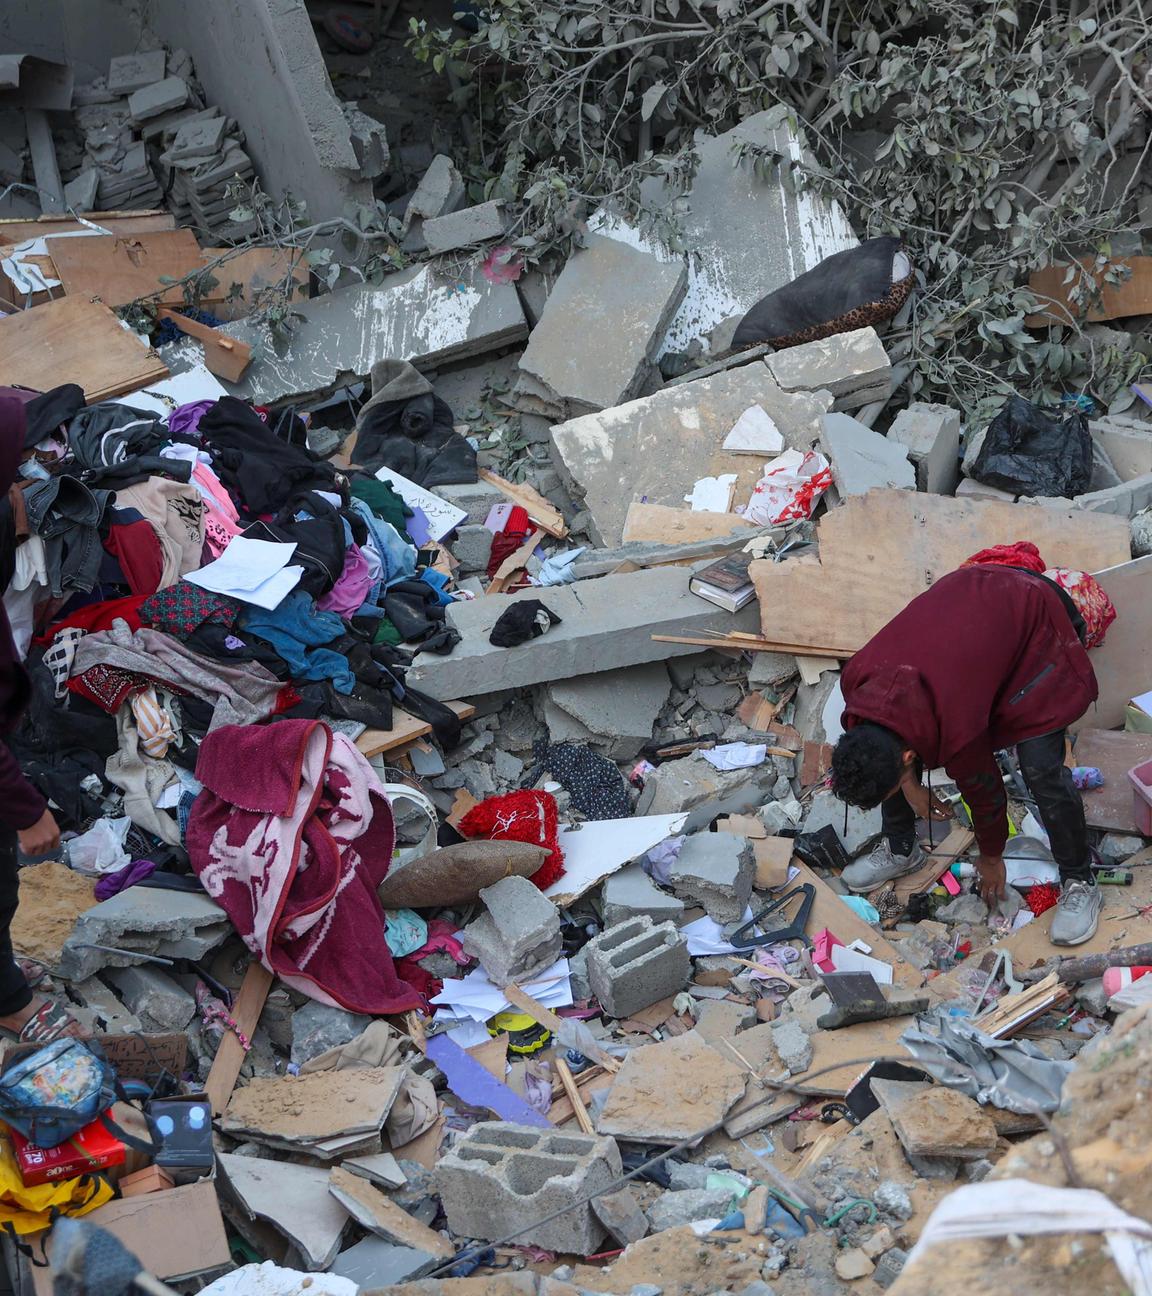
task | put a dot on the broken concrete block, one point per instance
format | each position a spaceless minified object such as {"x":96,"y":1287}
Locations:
{"x":889,"y":1267}
{"x":1125,"y":500}
{"x":464,"y":228}
{"x":369,"y":139}
{"x":154,"y":997}
{"x":932,"y":435}
{"x":161,"y":97}
{"x":80,"y":193}
{"x":130,"y":72}
{"x":472,"y":548}
{"x":864,"y":826}
{"x":1118,"y":847}
{"x":673,"y":1209}
{"x":374,"y":1264}
{"x":477,"y":499}
{"x":197,"y":140}
{"x":793,"y":1046}
{"x":99,"y":999}
{"x":693,"y":784}
{"x":863,"y":460}
{"x":970,"y":488}
{"x":518,"y":936}
{"x":635,"y":964}
{"x":440,"y":191}
{"x":416,"y":314}
{"x":715,"y":870}
{"x":607,"y":623}
{"x":854,"y":367}
{"x":379,"y":1214}
{"x":596,"y":343}
{"x":613,"y":710}
{"x":631,"y":893}
{"x":1128,"y":443}
{"x":750,"y":232}
{"x":720,"y":1019}
{"x":498,"y":1177}
{"x":318,"y":1027}
{"x":853,"y":1264}
{"x":621,"y":1215}
{"x":661,"y":445}
{"x":670,"y":1091}
{"x":935,"y":1121}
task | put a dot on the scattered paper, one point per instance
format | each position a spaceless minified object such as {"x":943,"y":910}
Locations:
{"x":735,"y":755}
{"x":253,"y":571}
{"x":845,"y":959}
{"x":706,"y":936}
{"x":476,"y":998}
{"x":601,"y":847}
{"x":754,"y":432}
{"x":440,"y":516}
{"x":712,"y":494}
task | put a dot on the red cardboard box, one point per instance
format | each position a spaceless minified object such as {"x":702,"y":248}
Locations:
{"x":92,"y":1148}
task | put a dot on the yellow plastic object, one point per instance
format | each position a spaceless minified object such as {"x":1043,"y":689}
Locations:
{"x":1012,"y":831}
{"x":29,"y":1210}
{"x":525,"y":1035}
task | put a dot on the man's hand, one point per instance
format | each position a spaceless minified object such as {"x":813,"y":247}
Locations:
{"x":42,"y":837}
{"x":992,"y":878}
{"x":925,"y":804}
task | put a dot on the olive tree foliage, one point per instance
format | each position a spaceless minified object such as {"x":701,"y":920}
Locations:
{"x":995,"y":136}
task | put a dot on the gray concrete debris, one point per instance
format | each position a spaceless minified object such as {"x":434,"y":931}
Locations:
{"x":932,"y":435}
{"x":748,"y":234}
{"x":440,"y":191}
{"x":130,"y":72}
{"x":635,"y":964}
{"x":964,"y":909}
{"x":892,"y":1198}
{"x":607,"y":623}
{"x":197,"y":140}
{"x":889,"y":1267}
{"x":80,"y":192}
{"x":771,"y":670}
{"x":597,"y":341}
{"x":375,"y":1264}
{"x":498,"y":1177}
{"x":160,"y":97}
{"x":472,"y":547}
{"x":518,"y":936}
{"x":792,"y":1045}
{"x":369,"y":139}
{"x":715,"y":870}
{"x":464,"y":228}
{"x":1142,"y":534}
{"x":853,"y":366}
{"x":175,"y":924}
{"x":477,"y":499}
{"x":1128,"y":443}
{"x":318,"y":1027}
{"x":863,"y":829}
{"x":99,"y":999}
{"x":417,"y":314}
{"x":660,"y":445}
{"x":672,"y":1209}
{"x":621,"y":1215}
{"x":1118,"y":847}
{"x":631,"y":893}
{"x":692,"y":784}
{"x":154,"y":997}
{"x":719,"y":1019}
{"x":613,"y":710}
{"x":970,"y":488}
{"x":380,"y":1168}
{"x":863,"y":460}
{"x":1090,"y":995}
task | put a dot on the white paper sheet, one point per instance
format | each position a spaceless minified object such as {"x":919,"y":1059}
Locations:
{"x":850,"y":960}
{"x":712,"y":494}
{"x":601,"y":847}
{"x":253,"y":571}
{"x":195,"y":384}
{"x":735,"y":755}
{"x":706,"y":936}
{"x":476,"y":998}
{"x":754,"y":432}
{"x":442,"y":516}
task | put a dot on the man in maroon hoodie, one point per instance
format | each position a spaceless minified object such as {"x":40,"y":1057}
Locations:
{"x":989,"y":657}
{"x":24,"y":814}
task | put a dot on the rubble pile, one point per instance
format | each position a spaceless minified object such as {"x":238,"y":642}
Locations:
{"x":438,"y":710}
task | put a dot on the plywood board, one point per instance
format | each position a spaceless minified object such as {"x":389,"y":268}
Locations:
{"x":123,"y":269}
{"x":76,"y":341}
{"x":258,"y":271}
{"x":879,"y":551}
{"x":405,"y":729}
{"x":1132,"y":296}
{"x":126,"y":222}
{"x":662,"y":524}
{"x":1123,"y":662}
{"x":1113,"y":752}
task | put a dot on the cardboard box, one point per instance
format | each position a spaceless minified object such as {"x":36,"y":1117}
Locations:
{"x":134,"y":1057}
{"x":183,"y":1126}
{"x":92,"y":1149}
{"x":149,"y":1180}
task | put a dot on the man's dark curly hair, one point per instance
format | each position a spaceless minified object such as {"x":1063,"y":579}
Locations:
{"x":866,"y":765}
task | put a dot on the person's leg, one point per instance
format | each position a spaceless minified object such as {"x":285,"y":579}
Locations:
{"x":899,"y":823}
{"x":1058,"y":802}
{"x":15,"y":994}
{"x":897,"y":853}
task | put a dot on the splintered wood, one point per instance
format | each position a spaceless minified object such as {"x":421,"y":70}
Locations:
{"x":1015,"y":1011}
{"x":880,"y":550}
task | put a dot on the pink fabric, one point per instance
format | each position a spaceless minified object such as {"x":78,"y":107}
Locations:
{"x":347,"y":596}
{"x":291,"y":836}
{"x":221,"y":521}
{"x":1091,"y":601}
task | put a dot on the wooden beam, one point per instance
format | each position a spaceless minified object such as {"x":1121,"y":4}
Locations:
{"x":573,"y":1095}
{"x":545,"y":515}
{"x":230,"y":1055}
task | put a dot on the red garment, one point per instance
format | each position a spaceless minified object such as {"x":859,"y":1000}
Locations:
{"x":1021,"y":554}
{"x":137,"y":548}
{"x":1095,"y":607}
{"x":526,"y":816}
{"x":98,"y":616}
{"x":984,"y":659}
{"x":506,"y":542}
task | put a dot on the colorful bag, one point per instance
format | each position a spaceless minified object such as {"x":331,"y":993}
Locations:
{"x":30,"y":1210}
{"x":53,"y":1093}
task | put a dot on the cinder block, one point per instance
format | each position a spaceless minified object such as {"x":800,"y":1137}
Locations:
{"x":636,"y":964}
{"x":717,"y":871}
{"x":499,"y":1177}
{"x":631,"y":893}
{"x":464,"y":228}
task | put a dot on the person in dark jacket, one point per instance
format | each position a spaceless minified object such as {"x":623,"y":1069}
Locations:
{"x":989,"y":657}
{"x":24,"y":814}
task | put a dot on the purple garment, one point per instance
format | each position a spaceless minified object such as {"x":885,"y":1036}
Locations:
{"x":346,"y":597}
{"x":113,"y":883}
{"x":185,"y":419}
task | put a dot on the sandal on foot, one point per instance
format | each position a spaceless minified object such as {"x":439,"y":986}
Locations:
{"x":48,"y":1023}
{"x":34,"y":972}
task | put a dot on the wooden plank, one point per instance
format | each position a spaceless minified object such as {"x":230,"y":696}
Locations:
{"x":573,"y":1095}
{"x":547,"y":1018}
{"x":1123,"y":662}
{"x":958,"y":842}
{"x":261,"y":273}
{"x":880,"y":550}
{"x":121,"y":270}
{"x":405,"y":729}
{"x":753,"y":644}
{"x":661,"y":524}
{"x":78,"y":341}
{"x":1132,"y":296}
{"x":545,"y":515}
{"x":230,"y":1055}
{"x":226,"y":357}
{"x":1113,"y":752}
{"x":118,"y":222}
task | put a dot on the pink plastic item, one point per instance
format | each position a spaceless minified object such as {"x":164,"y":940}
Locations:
{"x":1140,"y":777}
{"x":1116,"y":979}
{"x":823,"y":944}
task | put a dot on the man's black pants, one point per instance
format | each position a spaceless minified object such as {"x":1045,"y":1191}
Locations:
{"x":1058,"y":803}
{"x":14,"y":991}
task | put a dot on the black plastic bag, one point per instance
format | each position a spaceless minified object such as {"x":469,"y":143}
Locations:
{"x":1029,"y":451}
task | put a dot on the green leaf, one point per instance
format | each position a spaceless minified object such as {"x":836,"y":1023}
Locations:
{"x":653,"y":97}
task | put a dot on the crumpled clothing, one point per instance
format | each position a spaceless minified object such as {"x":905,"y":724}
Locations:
{"x":442,"y":939}
{"x":176,"y":512}
{"x":153,"y":723}
{"x":557,"y":569}
{"x":221,"y":520}
{"x":1095,"y":607}
{"x":735,"y":755}
{"x":58,"y":658}
{"x":348,"y":594}
{"x":181,"y":609}
{"x":100,"y":616}
{"x":108,"y":687}
{"x":526,"y":620}
{"x":397,"y":555}
{"x":185,"y":419}
{"x":405,"y":931}
{"x":143,"y":781}
{"x":113,"y":883}
{"x":659,"y":860}
{"x":1022,"y":553}
{"x":596,"y":787}
{"x":297,"y":631}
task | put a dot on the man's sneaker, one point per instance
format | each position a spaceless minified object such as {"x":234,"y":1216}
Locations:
{"x":883,"y":865}
{"x":1077,"y":914}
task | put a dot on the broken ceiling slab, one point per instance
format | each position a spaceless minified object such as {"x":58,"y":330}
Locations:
{"x":606,"y":316}
{"x":605,"y":623}
{"x":864,"y":460}
{"x":417,"y":315}
{"x":594,"y":850}
{"x":654,"y":449}
{"x":1123,"y":662}
{"x":853,"y":366}
{"x":879,"y":551}
{"x":615,"y":710}
{"x":748,"y":235}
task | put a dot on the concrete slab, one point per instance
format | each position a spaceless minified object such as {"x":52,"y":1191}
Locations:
{"x":294,"y":1199}
{"x":853,"y":366}
{"x":464,"y":228}
{"x":863,"y":826}
{"x":417,"y":315}
{"x":748,"y":235}
{"x":616,"y":708}
{"x":374,"y":1264}
{"x":597,"y":340}
{"x":657,"y":447}
{"x":863,"y":460}
{"x":606,"y":624}
{"x":631,"y":893}
{"x":131,"y":72}
{"x":161,"y":97}
{"x":931,"y":434}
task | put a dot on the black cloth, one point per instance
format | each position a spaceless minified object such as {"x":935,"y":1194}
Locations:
{"x":108,"y":434}
{"x":15,"y":993}
{"x":50,"y":410}
{"x":414,"y":608}
{"x":263,"y":471}
{"x":319,"y":540}
{"x":416,"y":439}
{"x":521,"y":622}
{"x":596,"y":787}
